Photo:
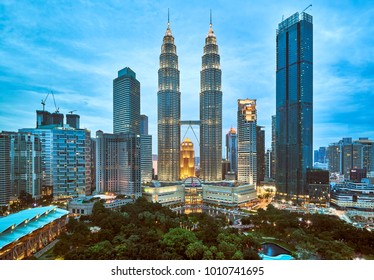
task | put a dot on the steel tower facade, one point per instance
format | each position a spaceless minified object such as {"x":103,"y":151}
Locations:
{"x":210,"y":111}
{"x":169,"y":111}
{"x":294,"y":105}
{"x":126,"y":102}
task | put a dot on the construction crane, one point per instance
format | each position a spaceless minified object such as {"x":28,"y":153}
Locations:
{"x":71,"y":112}
{"x":307,"y":8}
{"x":54,"y":101}
{"x":43,"y":101}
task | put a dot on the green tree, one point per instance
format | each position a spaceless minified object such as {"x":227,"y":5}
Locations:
{"x":101,"y":251}
{"x":238,"y":256}
{"x":196,"y":250}
{"x":177,"y":240}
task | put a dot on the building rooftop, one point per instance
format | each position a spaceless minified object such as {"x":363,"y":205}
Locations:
{"x":18,"y":225}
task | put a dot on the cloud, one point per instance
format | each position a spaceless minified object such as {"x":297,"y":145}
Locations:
{"x":76,"y":48}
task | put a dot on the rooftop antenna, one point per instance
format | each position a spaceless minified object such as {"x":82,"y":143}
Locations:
{"x":168,"y":18}
{"x":211,"y":18}
{"x":307,"y":8}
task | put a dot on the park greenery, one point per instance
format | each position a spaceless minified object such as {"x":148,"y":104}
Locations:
{"x":143,"y":230}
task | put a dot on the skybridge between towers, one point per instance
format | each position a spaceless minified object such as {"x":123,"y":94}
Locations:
{"x":190,"y":124}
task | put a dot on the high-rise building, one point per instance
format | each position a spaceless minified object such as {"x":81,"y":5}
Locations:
{"x":247,"y":144}
{"x":72,"y":120}
{"x":351,"y":156}
{"x":232,"y":149}
{"x":118,"y":163}
{"x":322,"y":155}
{"x":43,"y":118}
{"x":126,"y":102}
{"x":294,"y":104}
{"x":334,"y":158}
{"x":25,"y":157}
{"x":46,"y":140}
{"x":273,"y":148}
{"x":268,"y":164}
{"x":187,"y":162}
{"x":93,"y":164}
{"x":66,"y":159}
{"x":345,"y":155}
{"x":57,"y":119}
{"x":210,"y":111}
{"x":316,"y":156}
{"x":368,"y":153}
{"x":5,"y":186}
{"x":317,"y":187}
{"x":144,"y":124}
{"x":145,"y":150}
{"x":169,"y":110}
{"x":46,"y":118}
{"x":260,"y":151}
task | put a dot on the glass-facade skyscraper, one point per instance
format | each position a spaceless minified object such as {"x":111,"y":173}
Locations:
{"x":232,"y":149}
{"x":294,"y":104}
{"x":169,"y":111}
{"x":126,"y":102}
{"x":66,"y":159}
{"x":118,"y":163}
{"x":210,"y":111}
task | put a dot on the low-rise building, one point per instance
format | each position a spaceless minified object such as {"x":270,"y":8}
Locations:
{"x":26,"y":232}
{"x":353,"y":196}
{"x":84,"y":205}
{"x":229,"y":194}
{"x":165,"y":193}
{"x":192,"y":192}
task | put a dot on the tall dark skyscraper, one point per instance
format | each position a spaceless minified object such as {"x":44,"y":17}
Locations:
{"x":294,"y":104}
{"x":144,"y":124}
{"x":232,"y":149}
{"x":260,"y":150}
{"x":273,"y":149}
{"x":169,"y":110}
{"x":210,"y":111}
{"x":126,"y":102}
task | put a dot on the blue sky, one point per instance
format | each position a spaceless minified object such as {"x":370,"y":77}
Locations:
{"x":75,"y":48}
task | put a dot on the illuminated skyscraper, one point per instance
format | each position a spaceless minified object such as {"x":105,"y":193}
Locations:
{"x":187,"y":159}
{"x":210,"y":111}
{"x":169,"y":110}
{"x":294,"y":104}
{"x":247,"y":145}
{"x":126,"y":102}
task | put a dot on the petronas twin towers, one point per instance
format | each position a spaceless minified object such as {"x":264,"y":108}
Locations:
{"x":169,"y":111}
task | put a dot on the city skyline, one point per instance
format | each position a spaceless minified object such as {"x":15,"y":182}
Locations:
{"x":40,"y":54}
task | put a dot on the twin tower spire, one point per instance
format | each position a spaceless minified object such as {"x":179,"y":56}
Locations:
{"x":169,"y":110}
